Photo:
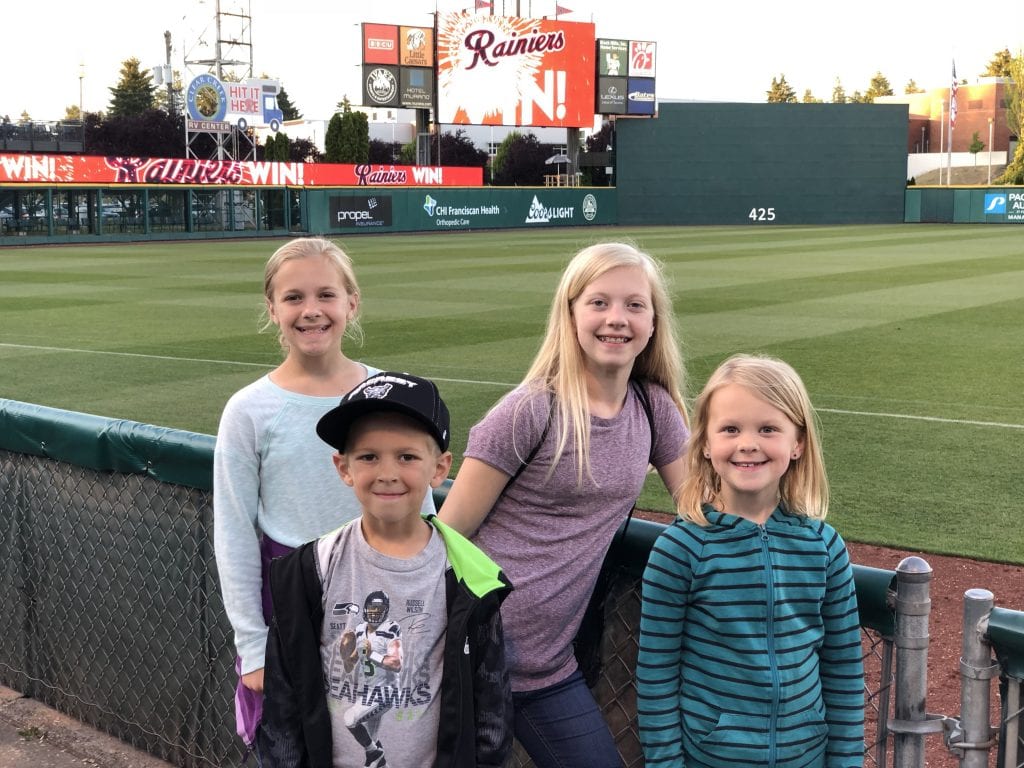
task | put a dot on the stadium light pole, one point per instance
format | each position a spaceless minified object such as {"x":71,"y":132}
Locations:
{"x":81,"y":80}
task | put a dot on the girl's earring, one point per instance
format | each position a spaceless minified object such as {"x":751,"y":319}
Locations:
{"x":707,"y":455}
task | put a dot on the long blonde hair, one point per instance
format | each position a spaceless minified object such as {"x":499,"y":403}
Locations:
{"x":558,"y":369}
{"x":306,"y":247}
{"x":804,"y":487}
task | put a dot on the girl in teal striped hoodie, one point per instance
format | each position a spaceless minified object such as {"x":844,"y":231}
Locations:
{"x":750,"y":649}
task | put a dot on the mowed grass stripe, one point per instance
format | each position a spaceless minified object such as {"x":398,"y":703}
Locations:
{"x":909,"y":321}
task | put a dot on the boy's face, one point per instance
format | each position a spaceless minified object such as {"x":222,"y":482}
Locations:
{"x":390,"y":461}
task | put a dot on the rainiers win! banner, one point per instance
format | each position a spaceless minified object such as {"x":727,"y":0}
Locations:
{"x":506,"y":70}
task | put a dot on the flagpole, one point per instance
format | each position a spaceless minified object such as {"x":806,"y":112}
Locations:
{"x":942,"y":135}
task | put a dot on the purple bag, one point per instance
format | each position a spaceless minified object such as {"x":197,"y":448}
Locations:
{"x":248,"y":703}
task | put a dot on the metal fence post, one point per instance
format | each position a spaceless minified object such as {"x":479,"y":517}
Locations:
{"x":913,"y":605}
{"x":976,"y":672}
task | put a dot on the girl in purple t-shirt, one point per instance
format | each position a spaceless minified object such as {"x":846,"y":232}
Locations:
{"x":552,"y":471}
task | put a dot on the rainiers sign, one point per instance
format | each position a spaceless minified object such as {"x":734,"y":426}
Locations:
{"x":360,"y":211}
{"x":506,"y":70}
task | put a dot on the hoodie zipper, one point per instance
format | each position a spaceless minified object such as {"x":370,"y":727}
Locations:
{"x":773,"y":664}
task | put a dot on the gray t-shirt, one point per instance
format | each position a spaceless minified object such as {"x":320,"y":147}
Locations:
{"x":549,"y":535}
{"x":382,"y":649}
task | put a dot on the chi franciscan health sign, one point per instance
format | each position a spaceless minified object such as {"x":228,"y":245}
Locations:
{"x":506,"y":70}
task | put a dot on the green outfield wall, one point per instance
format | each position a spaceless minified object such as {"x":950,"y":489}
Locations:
{"x":353,"y":210}
{"x":763,"y":164}
{"x":964,"y":205}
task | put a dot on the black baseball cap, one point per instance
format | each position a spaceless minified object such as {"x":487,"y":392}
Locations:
{"x":387,"y":391}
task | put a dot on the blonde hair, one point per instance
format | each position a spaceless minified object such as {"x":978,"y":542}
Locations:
{"x":804,"y":487}
{"x":558,"y":369}
{"x":306,"y":247}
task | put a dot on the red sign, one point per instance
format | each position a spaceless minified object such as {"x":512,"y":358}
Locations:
{"x":642,"y":59}
{"x":380,"y":44}
{"x":79,"y":169}
{"x":505,"y":70}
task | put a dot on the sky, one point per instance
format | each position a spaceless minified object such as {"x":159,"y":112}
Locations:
{"x":54,"y":52}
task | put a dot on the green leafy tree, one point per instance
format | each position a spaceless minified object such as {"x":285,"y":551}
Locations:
{"x":458,"y":149}
{"x":912,"y":87}
{"x":1014,"y":97}
{"x":277,"y":147}
{"x":781,"y":92}
{"x":333,"y":140}
{"x":808,"y":97}
{"x":599,"y":142}
{"x":154,"y":133}
{"x":407,"y":155}
{"x":134,"y":92}
{"x":857,"y":98}
{"x":976,"y":146}
{"x":385,"y":151}
{"x":284,"y":103}
{"x":303,"y":151}
{"x":838,"y":93}
{"x":879,"y":86}
{"x":1000,"y":64}
{"x":72,"y":112}
{"x":520,"y":160}
{"x":355,"y":137}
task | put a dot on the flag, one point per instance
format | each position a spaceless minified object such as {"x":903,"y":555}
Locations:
{"x":559,"y":10}
{"x":484,"y":5}
{"x":952,"y":99}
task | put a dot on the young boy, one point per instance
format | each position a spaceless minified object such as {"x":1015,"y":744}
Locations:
{"x":386,"y":647}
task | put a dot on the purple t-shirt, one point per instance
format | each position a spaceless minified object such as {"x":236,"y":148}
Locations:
{"x":549,"y":535}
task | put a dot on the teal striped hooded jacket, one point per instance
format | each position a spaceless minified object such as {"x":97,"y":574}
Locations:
{"x":750,"y":651}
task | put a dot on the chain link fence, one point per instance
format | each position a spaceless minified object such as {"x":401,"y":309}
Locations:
{"x":110,"y":609}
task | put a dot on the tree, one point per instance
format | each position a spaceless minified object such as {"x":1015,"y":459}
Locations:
{"x":781,"y":92}
{"x":838,"y":93}
{"x":355,"y":137}
{"x":809,"y":97}
{"x":912,"y":87}
{"x":134,"y":92}
{"x":602,"y":141}
{"x":459,"y":150}
{"x":1000,"y":64}
{"x":879,"y":86}
{"x":332,"y":140}
{"x":154,"y":133}
{"x":976,"y":146}
{"x":519,"y":160}
{"x":1014,"y":97}
{"x":277,"y":148}
{"x":303,"y":151}
{"x":284,"y":103}
{"x":384,"y":151}
{"x":72,"y":112}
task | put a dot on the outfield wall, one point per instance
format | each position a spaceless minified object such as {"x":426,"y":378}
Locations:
{"x":352,"y":210}
{"x":964,"y":205}
{"x":763,"y":164}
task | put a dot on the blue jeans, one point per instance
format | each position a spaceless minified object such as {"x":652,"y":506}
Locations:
{"x":562,"y":727}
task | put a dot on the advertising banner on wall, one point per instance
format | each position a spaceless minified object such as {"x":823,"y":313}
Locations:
{"x":78,"y":169}
{"x":416,"y":46}
{"x":359,"y":211}
{"x":506,"y":70}
{"x":640,"y":96}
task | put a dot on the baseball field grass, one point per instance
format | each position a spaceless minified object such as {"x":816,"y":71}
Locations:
{"x":908,"y":337}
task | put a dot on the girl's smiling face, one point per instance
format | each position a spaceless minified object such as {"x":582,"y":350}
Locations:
{"x":614,"y":318}
{"x":750,"y":444}
{"x":311,"y":305}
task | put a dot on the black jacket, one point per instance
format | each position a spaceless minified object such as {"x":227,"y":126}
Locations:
{"x":475,"y":728}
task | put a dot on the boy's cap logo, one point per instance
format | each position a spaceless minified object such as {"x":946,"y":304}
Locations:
{"x":377,"y":392}
{"x":402,"y":393}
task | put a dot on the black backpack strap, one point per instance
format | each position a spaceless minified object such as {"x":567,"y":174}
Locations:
{"x":645,"y":400}
{"x":533,"y":453}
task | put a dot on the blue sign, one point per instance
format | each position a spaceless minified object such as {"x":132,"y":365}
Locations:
{"x":995,"y":202}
